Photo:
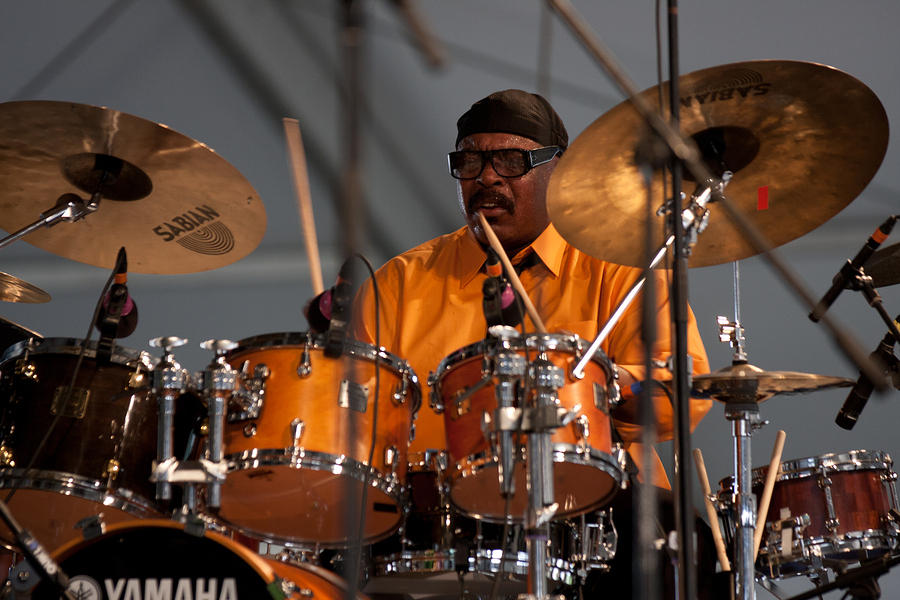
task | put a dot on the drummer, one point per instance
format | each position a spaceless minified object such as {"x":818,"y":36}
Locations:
{"x":430,"y":297}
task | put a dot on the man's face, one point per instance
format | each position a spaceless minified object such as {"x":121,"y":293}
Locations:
{"x":515,"y":207}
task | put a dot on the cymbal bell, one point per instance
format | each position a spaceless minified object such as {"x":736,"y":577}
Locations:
{"x":13,"y":289}
{"x":802,"y":139}
{"x":747,"y":383}
{"x":176,"y":205}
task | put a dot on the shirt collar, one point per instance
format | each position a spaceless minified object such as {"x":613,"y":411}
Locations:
{"x":549,"y":246}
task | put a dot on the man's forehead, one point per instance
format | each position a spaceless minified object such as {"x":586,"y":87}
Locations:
{"x":495,"y":140}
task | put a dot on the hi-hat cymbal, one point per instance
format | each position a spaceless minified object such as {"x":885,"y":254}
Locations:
{"x":13,"y":289}
{"x":802,"y":139}
{"x":884,"y":266}
{"x":176,"y":205}
{"x":747,"y":383}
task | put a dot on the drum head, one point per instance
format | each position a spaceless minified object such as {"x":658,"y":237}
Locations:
{"x":158,"y":559}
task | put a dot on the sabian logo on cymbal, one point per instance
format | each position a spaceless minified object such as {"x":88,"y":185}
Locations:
{"x":191,"y":231}
{"x":728,"y":85}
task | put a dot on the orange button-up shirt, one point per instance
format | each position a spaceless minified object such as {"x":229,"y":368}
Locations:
{"x":431,"y":306}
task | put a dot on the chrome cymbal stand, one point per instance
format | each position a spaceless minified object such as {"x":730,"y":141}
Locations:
{"x":742,"y":409}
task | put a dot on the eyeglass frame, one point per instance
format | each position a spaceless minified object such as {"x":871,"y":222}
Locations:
{"x":536,"y":157}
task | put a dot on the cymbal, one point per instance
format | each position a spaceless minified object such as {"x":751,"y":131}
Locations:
{"x":884,"y":266}
{"x":13,"y":289}
{"x":802,"y":139}
{"x":176,"y":205}
{"x":747,"y":383}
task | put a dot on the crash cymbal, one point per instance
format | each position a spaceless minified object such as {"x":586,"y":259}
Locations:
{"x":176,"y":205}
{"x":802,"y":139}
{"x":747,"y":383}
{"x":13,"y":289}
{"x":884,"y":266}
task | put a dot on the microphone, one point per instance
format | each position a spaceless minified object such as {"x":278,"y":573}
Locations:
{"x":318,"y":311}
{"x":500,"y":303}
{"x":851,"y":269}
{"x":341,"y":310}
{"x":856,"y":400}
{"x":118,"y":317}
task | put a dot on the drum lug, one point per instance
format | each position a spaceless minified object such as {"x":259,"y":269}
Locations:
{"x":6,"y":456}
{"x":112,"y":469}
{"x":390,"y":458}
{"x":582,"y":427}
{"x":26,"y":369}
{"x":402,"y":390}
{"x":304,"y":369}
{"x":434,"y":395}
{"x":297,"y":428}
{"x":249,"y":430}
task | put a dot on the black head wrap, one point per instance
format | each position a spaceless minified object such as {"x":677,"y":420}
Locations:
{"x":515,"y":112}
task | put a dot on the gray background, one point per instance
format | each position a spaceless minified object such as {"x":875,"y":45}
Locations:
{"x":225,"y":72}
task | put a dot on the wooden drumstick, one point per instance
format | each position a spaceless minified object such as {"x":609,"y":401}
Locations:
{"x":771,"y":476}
{"x":511,"y":273}
{"x":304,"y":200}
{"x":711,"y":510}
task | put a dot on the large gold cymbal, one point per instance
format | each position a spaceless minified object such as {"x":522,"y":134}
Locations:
{"x":176,"y":205}
{"x":802,"y":139}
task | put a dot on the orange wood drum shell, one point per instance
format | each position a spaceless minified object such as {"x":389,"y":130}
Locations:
{"x":585,"y":477}
{"x":278,"y":492}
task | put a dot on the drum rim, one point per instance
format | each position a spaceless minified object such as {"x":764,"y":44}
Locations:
{"x":352,"y":347}
{"x":85,"y":488}
{"x":470,"y":465}
{"x":253,"y":458}
{"x":555,"y":341}
{"x":72,"y":346}
{"x":849,"y":542}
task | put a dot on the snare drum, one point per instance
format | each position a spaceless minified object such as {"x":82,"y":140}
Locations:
{"x":587,"y":470}
{"x":834,"y":507}
{"x":160,"y":559}
{"x":297,"y":468}
{"x":99,"y":454}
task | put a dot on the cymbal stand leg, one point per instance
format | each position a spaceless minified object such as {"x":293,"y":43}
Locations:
{"x":745,"y":418}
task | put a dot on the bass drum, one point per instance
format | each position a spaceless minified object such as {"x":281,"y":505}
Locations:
{"x":297,"y":469}
{"x":99,"y":454}
{"x":160,"y":559}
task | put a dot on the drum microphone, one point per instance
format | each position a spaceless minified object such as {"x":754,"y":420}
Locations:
{"x":118,"y":317}
{"x":883,"y":356}
{"x":341,"y":310}
{"x":500,"y":303}
{"x":851,"y":269}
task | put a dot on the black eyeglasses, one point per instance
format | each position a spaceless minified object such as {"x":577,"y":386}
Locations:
{"x":507,"y":162}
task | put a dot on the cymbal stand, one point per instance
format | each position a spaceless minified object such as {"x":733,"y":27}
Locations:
{"x":68,"y":207}
{"x":694,"y":218}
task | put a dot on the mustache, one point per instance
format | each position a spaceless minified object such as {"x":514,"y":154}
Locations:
{"x":483,"y":197}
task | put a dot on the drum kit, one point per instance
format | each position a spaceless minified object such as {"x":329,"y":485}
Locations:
{"x":283,"y":462}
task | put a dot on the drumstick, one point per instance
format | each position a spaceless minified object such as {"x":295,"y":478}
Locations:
{"x":304,"y":200}
{"x":511,"y":273}
{"x":771,"y":476}
{"x":711,"y":511}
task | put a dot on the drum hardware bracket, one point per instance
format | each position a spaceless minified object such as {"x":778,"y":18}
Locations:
{"x":402,"y":390}
{"x":112,"y":469}
{"x":353,"y":395}
{"x":189,"y":471}
{"x":92,"y":526}
{"x":250,"y":393}
{"x":26,"y":369}
{"x":74,"y":404}
{"x":297,"y":428}
{"x":7,"y":458}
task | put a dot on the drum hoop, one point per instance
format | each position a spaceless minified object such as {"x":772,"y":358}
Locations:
{"x":72,"y":346}
{"x":854,"y":460}
{"x":568,"y":342}
{"x":72,"y":484}
{"x":352,"y":348}
{"x":256,"y":562}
